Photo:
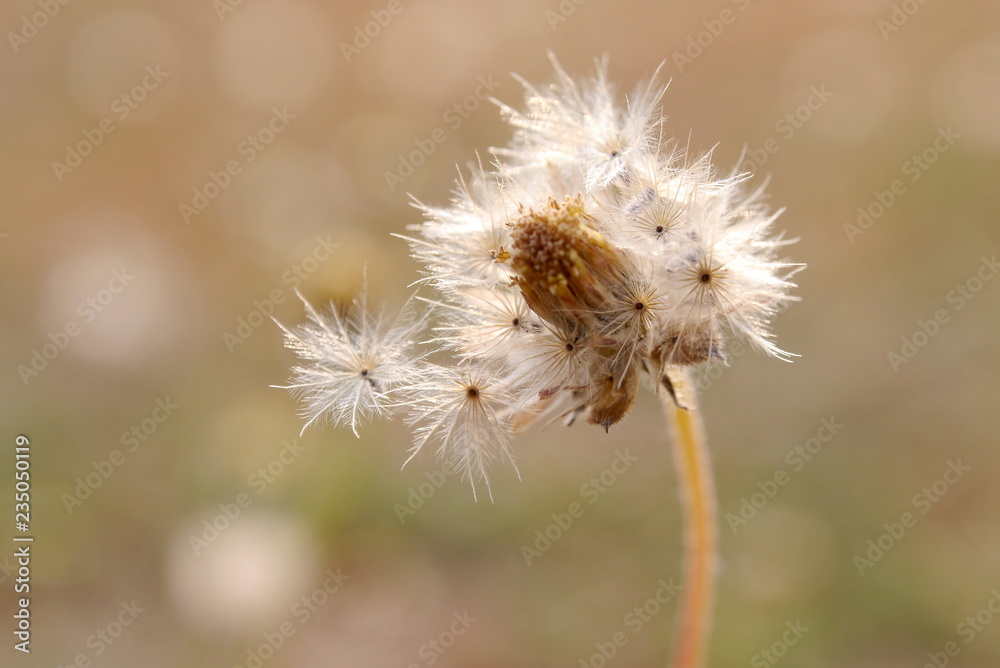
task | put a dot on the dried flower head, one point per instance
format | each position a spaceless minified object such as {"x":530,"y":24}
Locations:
{"x":591,"y":254}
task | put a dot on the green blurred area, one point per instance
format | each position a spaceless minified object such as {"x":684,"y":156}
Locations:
{"x":283,"y":120}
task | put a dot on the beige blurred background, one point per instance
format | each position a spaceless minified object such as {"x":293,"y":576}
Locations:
{"x":160,"y":312}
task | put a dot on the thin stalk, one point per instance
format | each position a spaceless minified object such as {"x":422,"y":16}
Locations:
{"x":697,"y":492}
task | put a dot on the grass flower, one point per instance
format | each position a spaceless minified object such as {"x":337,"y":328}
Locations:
{"x":593,"y":255}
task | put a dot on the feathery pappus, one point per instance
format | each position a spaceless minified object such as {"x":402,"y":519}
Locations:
{"x":592,"y":253}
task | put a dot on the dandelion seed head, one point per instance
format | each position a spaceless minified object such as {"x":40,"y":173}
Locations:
{"x":591,"y":251}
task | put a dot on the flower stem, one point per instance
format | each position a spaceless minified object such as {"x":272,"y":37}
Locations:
{"x":697,"y":491}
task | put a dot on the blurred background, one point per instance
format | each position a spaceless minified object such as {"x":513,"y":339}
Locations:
{"x":174,"y":170}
